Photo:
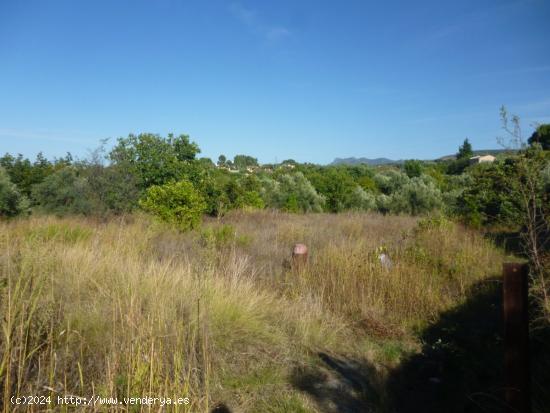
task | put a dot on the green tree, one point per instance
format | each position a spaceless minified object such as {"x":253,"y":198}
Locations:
{"x":24,"y":174}
{"x":12,"y":202}
{"x":390,"y":181}
{"x":418,"y":196}
{"x":184,"y":149}
{"x":361,"y":200}
{"x":251,"y":199}
{"x":335,"y":184}
{"x":413,"y":168}
{"x":177,"y":203}
{"x":115,"y":188}
{"x":291,"y":192}
{"x":212,"y":189}
{"x":66,"y":191}
{"x":206,"y":163}
{"x":541,"y":136}
{"x":155,"y":160}
{"x":244,"y":161}
{"x":487,"y":200}
{"x":465,"y":151}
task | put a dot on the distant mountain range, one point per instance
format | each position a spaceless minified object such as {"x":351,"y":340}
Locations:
{"x":386,"y":161}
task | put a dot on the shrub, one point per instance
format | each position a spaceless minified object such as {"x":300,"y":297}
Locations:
{"x":178,"y":203}
{"x":383,"y":203}
{"x":487,"y":199}
{"x":65,"y":192}
{"x":416,"y":197}
{"x":218,"y":236}
{"x":24,"y":173}
{"x":361,"y":200}
{"x":12,"y":202}
{"x":413,"y":168}
{"x":336,"y":185}
{"x":212,"y":189}
{"x":390,"y":181}
{"x":115,"y":188}
{"x":223,"y":236}
{"x":458,"y":166}
{"x":251,"y":200}
{"x":293,"y":193}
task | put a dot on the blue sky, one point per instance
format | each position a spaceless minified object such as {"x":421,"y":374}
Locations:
{"x":309,"y":80}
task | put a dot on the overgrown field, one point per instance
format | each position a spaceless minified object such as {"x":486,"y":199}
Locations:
{"x":130,"y":308}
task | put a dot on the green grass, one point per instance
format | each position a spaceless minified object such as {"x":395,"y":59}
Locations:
{"x":132,"y":308}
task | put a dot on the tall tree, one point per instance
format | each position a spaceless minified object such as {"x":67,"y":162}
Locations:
{"x":244,"y":161}
{"x":465,"y":151}
{"x":155,"y":160}
{"x":541,"y":136}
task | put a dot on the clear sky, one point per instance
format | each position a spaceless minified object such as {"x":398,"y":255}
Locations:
{"x":309,"y":80}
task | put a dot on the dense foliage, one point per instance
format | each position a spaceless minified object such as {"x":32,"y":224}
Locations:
{"x":541,"y":136}
{"x":66,"y":191}
{"x":149,"y":166}
{"x":177,"y":203}
{"x":12,"y":202}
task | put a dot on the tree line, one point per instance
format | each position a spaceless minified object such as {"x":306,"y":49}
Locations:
{"x":166,"y":177}
{"x":140,"y":171}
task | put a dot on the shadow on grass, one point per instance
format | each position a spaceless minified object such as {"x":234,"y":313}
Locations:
{"x":337,"y":384}
{"x":460,"y":367}
{"x":509,"y":241}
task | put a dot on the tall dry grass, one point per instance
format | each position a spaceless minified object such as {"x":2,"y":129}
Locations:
{"x":130,"y":308}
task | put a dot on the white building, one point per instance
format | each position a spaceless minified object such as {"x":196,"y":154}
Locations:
{"x":482,"y":159}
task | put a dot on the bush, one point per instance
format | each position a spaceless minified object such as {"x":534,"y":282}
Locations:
{"x":178,"y":203}
{"x":458,"y":166}
{"x":418,"y":196}
{"x":336,"y":185}
{"x":12,"y":202}
{"x":293,"y":193}
{"x":413,"y":168}
{"x":115,"y":187}
{"x":251,"y":200}
{"x":361,"y":200}
{"x":487,"y":198}
{"x":383,"y":203}
{"x":65,"y":192}
{"x":390,"y":181}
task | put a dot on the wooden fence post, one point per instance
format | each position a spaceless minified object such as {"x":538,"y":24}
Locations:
{"x":516,"y":338}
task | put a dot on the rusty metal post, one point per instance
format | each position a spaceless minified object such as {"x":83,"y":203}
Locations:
{"x":299,"y":256}
{"x":516,"y":338}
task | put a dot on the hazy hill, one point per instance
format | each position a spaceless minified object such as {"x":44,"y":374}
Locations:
{"x":386,"y":161}
{"x":357,"y":161}
{"x":493,"y":152}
